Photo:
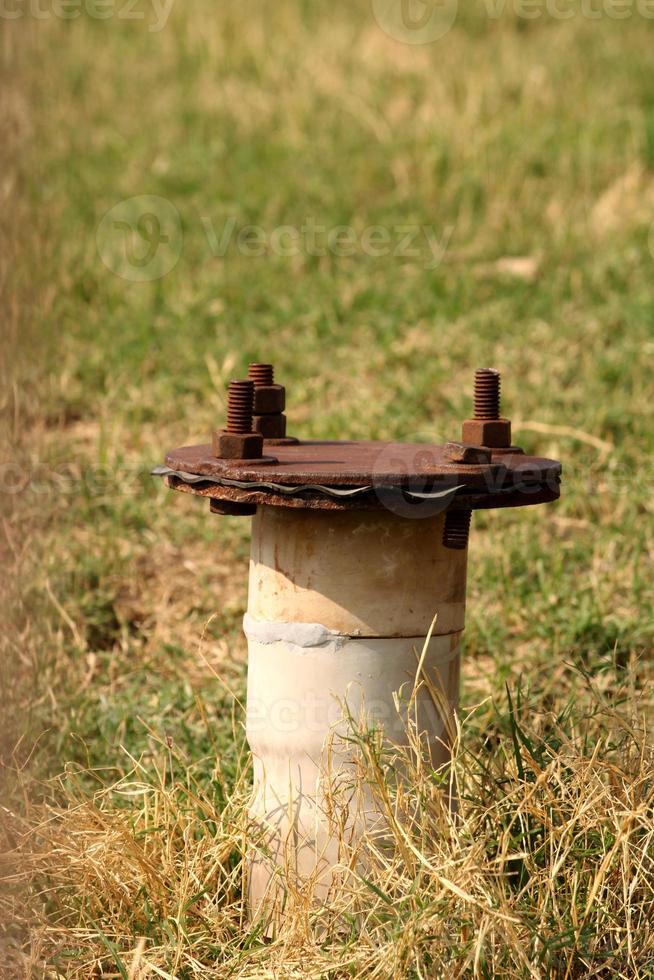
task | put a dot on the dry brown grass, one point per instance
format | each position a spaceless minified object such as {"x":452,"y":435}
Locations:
{"x":544,"y":869}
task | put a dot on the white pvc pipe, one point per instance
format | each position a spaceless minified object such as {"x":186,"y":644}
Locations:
{"x":339,"y":607}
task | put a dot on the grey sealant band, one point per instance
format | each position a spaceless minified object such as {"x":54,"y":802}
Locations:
{"x":312,"y":635}
{"x":294,"y":634}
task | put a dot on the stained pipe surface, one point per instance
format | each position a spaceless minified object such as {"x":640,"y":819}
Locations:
{"x":339,"y":606}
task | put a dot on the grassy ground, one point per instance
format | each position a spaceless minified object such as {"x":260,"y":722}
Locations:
{"x":520,"y":154}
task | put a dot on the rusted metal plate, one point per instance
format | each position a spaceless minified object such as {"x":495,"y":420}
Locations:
{"x":340,"y":464}
{"x":383,"y":472}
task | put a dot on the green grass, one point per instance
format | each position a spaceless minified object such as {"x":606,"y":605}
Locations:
{"x":506,"y":138}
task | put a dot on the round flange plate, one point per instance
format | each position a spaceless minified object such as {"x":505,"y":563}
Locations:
{"x":510,"y":479}
{"x":340,"y":464}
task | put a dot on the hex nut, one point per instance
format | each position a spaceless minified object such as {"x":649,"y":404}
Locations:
{"x":237,"y":445}
{"x":461,"y":452}
{"x":491,"y":433}
{"x":269,"y":399}
{"x":270,"y":426}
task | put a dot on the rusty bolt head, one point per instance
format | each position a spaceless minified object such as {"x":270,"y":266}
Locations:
{"x":237,"y":445}
{"x":269,"y":399}
{"x":270,"y":426}
{"x":461,"y":452}
{"x":491,"y":433}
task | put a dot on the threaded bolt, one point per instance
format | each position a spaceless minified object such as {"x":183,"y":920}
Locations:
{"x":240,"y":406}
{"x":261,"y":374}
{"x":457,"y":529}
{"x":487,"y":394}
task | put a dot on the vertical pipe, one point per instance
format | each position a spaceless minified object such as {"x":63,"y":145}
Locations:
{"x":339,"y":606}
